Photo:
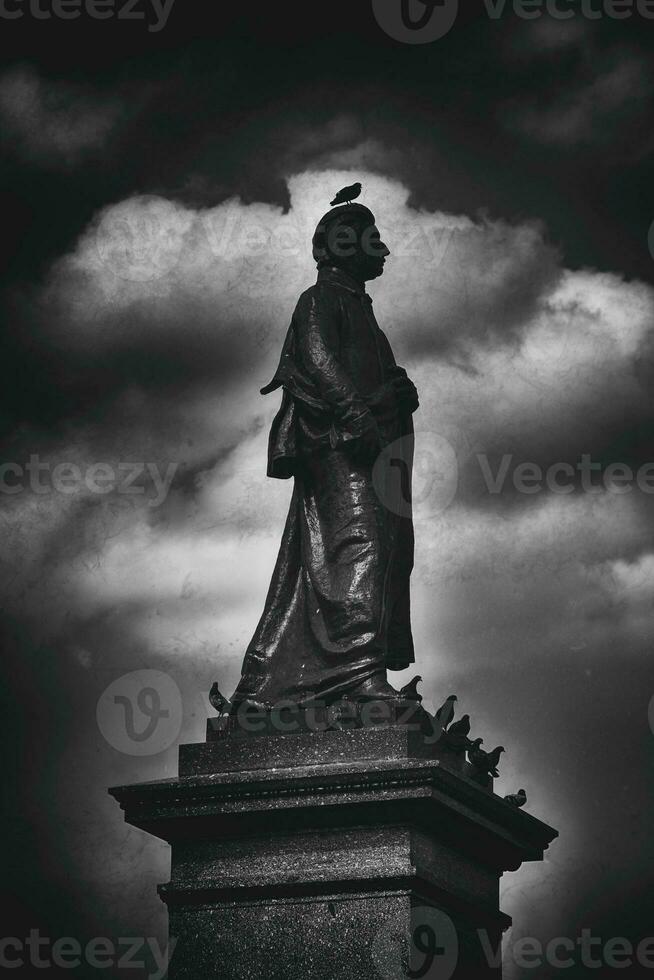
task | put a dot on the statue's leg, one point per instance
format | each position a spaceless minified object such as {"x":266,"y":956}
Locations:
{"x":347,"y":547}
{"x":400,"y":640}
{"x":323,"y":632}
{"x":272,"y":657}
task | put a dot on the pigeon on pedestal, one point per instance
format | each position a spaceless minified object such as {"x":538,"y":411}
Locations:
{"x":410,"y":691}
{"x":445,"y":713}
{"x":493,"y":760}
{"x":486,"y":762}
{"x":460,"y":728}
{"x":218,"y":700}
{"x":517,"y":799}
{"x":456,"y":735}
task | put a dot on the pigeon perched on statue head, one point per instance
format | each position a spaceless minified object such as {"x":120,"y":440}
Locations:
{"x":347,"y":194}
{"x":517,"y":799}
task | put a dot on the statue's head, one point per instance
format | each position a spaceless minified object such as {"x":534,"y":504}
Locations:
{"x":347,"y":237}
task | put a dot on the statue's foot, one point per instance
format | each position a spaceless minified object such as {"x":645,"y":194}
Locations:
{"x":375,"y":688}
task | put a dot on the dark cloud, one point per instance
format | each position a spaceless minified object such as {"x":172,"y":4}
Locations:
{"x":56,"y":124}
{"x":608,"y":96}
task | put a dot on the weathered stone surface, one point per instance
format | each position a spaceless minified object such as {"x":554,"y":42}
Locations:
{"x":291,"y":853}
{"x":234,"y":754}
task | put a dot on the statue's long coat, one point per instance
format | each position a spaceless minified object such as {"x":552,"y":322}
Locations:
{"x":337,"y":611}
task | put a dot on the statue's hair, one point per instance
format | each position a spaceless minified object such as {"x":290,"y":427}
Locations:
{"x":354,"y":217}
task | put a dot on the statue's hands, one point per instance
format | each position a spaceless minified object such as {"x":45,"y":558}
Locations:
{"x":367,"y":446}
{"x":397,"y":394}
{"x":405,"y":392}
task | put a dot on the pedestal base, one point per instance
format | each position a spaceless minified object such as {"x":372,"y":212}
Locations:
{"x":347,"y":854}
{"x":331,"y":937}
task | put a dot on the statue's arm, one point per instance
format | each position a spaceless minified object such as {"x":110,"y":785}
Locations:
{"x":317,"y":323}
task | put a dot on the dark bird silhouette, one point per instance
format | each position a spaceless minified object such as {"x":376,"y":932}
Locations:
{"x":410,"y":691}
{"x":456,"y":735}
{"x":461,"y":728}
{"x":217,"y":700}
{"x":477,"y":756}
{"x":493,"y":760}
{"x":517,"y":799}
{"x":485,"y":761}
{"x":445,"y":713}
{"x":347,"y":194}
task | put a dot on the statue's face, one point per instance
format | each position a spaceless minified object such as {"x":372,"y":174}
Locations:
{"x":371,"y":254}
{"x":359,"y":251}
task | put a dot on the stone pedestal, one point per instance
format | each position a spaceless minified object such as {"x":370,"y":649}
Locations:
{"x":344,"y":854}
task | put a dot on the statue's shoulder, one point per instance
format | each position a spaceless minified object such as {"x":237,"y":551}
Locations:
{"x":321,"y":295}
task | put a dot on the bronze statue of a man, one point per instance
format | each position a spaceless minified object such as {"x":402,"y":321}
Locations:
{"x":337,"y":612}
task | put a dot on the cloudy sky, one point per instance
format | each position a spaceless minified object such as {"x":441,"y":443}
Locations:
{"x":159,"y":193}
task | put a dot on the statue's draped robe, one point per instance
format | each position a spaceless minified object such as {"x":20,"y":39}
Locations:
{"x":337,"y":611}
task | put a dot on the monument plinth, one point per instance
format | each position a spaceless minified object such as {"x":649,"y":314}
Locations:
{"x":342,"y":854}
